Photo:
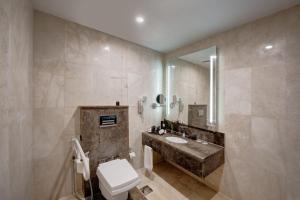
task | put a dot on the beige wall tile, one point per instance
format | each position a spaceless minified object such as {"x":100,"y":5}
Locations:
{"x":238,"y":91}
{"x":268,"y":91}
{"x":267,"y":150}
{"x":16,"y":99}
{"x":48,"y":83}
{"x":76,"y":70}
{"x":49,"y":37}
{"x":52,"y":154}
{"x":261,"y":107}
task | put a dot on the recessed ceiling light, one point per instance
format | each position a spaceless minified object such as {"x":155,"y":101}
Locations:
{"x":139,"y":19}
{"x":106,"y":48}
{"x":268,"y":47}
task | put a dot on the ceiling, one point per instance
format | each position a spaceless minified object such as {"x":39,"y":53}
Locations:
{"x":169,"y":24}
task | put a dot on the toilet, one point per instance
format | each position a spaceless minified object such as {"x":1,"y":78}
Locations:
{"x":116,"y":178}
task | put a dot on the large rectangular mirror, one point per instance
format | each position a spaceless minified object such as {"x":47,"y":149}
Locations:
{"x":191,"y":88}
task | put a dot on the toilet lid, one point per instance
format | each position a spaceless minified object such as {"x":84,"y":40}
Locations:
{"x":116,"y":174}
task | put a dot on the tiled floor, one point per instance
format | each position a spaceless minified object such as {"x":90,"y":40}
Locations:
{"x":169,"y":183}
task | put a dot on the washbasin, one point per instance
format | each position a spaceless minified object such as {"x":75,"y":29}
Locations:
{"x":176,"y":140}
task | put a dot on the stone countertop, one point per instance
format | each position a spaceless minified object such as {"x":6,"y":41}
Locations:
{"x":103,"y":107}
{"x":196,"y":149}
{"x":199,"y":159}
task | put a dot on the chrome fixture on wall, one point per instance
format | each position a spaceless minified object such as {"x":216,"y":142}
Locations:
{"x":140,"y":106}
{"x":178,"y":101}
{"x":160,"y":101}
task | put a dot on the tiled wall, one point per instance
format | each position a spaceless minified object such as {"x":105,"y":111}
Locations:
{"x":15,"y":99}
{"x":189,"y":82}
{"x":71,"y":69}
{"x":259,"y":106}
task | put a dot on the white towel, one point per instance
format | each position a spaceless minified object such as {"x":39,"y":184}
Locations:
{"x":148,"y":158}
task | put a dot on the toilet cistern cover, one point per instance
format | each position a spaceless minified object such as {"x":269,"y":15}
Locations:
{"x":116,"y":174}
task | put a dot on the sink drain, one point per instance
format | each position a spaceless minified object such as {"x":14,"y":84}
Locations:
{"x":146,"y":190}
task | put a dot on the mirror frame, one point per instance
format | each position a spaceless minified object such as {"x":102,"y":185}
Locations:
{"x":212,"y":119}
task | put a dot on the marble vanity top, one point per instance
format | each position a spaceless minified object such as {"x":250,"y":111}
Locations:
{"x":200,"y":159}
{"x":195,"y":149}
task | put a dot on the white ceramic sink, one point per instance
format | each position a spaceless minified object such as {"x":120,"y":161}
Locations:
{"x":176,"y":140}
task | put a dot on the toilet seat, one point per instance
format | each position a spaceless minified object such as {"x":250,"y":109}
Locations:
{"x":117,"y":176}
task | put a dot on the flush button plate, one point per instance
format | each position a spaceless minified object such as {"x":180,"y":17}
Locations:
{"x":107,"y":120}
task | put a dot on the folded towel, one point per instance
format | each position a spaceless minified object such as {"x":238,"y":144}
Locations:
{"x":148,"y":158}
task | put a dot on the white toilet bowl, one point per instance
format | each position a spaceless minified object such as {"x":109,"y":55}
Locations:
{"x":116,"y":178}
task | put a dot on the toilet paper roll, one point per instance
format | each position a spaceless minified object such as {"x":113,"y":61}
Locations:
{"x":148,"y":158}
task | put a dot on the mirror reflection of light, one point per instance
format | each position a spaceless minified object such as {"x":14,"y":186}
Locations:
{"x":173,"y":66}
{"x":106,"y":48}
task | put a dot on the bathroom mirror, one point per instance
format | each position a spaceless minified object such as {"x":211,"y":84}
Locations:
{"x":191,"y":88}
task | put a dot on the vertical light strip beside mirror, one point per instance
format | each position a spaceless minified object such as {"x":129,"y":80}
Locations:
{"x":168,"y":90}
{"x":212,"y":121}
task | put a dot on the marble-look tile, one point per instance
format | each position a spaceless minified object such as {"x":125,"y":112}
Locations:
{"x":16,"y":99}
{"x":268,"y":91}
{"x":49,"y":37}
{"x":238,"y":134}
{"x":244,"y":174}
{"x":266,"y":73}
{"x":263,"y":134}
{"x":90,"y":85}
{"x":87,"y":46}
{"x":4,"y":38}
{"x":238,"y":91}
{"x":52,"y":154}
{"x":48,"y":83}
{"x":292,"y":94}
{"x":289,"y":142}
{"x":136,"y":123}
{"x":76,"y":70}
{"x":266,"y":144}
{"x":52,"y":173}
{"x":4,"y":165}
{"x":292,"y":191}
{"x":47,"y":131}
{"x":72,"y":120}
{"x":169,"y":182}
